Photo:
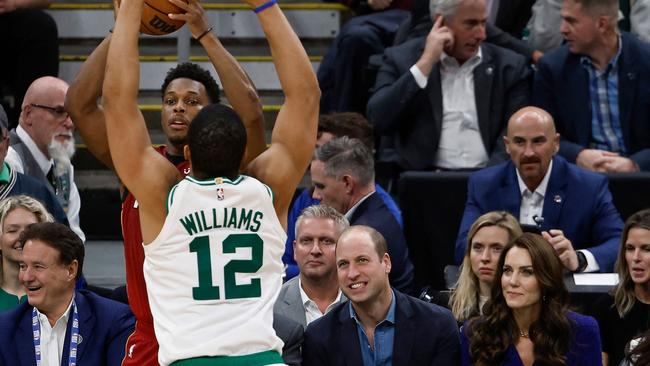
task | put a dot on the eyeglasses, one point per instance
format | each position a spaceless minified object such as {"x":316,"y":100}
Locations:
{"x":57,"y":111}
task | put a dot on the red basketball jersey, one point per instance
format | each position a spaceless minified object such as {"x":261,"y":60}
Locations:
{"x":134,"y":260}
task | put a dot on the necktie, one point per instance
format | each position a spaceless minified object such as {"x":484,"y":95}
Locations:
{"x":61,"y":185}
{"x":51,"y":178}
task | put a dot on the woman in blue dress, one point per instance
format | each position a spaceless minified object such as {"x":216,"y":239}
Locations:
{"x":527,"y":322}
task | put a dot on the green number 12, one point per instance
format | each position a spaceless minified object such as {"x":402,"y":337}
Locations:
{"x":206,"y":289}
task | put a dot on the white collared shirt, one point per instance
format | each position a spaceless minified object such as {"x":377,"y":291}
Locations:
{"x":312,"y":312}
{"x":532,"y":204}
{"x":74,"y":203}
{"x":53,"y":338}
{"x":461,"y":145}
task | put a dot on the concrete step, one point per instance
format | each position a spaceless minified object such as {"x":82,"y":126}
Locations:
{"x":154,"y":68}
{"x":230,"y":20}
{"x":247,"y":47}
{"x":104,"y":263}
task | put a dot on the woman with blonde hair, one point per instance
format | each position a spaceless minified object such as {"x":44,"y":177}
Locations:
{"x":487,"y":236}
{"x":16,"y":213}
{"x":625,"y":313}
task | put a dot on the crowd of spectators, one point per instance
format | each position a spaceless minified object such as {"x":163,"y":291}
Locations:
{"x":537,"y":99}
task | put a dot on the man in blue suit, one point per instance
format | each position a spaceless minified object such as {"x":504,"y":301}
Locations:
{"x":597,"y":88}
{"x":65,"y":325}
{"x":572,"y":206}
{"x":343,"y":175}
{"x":379,"y":325}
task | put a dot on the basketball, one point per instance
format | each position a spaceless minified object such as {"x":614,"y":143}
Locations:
{"x":155,"y":20}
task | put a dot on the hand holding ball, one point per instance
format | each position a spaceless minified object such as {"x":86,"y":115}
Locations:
{"x":155,"y":20}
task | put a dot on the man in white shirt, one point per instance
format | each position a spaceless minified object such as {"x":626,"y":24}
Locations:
{"x":315,"y":290}
{"x":58,"y":325}
{"x":572,"y":206}
{"x":445,"y":98}
{"x":343,"y":175}
{"x":43,"y":144}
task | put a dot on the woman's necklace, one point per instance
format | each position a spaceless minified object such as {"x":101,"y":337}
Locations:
{"x":523,"y":334}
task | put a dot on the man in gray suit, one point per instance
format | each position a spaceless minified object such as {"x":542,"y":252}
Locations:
{"x":42,"y":145}
{"x":315,"y":291}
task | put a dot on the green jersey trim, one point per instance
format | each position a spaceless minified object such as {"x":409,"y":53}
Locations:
{"x":270,"y":191}
{"x":255,"y":359}
{"x":170,"y":197}
{"x":215,"y":181}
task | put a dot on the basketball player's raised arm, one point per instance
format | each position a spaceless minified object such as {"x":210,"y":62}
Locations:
{"x":283,"y":164}
{"x":236,"y":84}
{"x":146,"y":173}
{"x":81,"y":102}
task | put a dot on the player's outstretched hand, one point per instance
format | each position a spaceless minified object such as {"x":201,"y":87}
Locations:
{"x":194,"y":16}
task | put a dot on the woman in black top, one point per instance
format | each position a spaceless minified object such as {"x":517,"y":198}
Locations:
{"x":625,"y":314}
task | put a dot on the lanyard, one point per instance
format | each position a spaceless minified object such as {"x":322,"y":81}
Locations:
{"x":74,"y":339}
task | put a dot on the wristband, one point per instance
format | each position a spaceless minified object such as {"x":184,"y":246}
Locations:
{"x":203,"y":34}
{"x":265,"y":5}
{"x":582,"y":261}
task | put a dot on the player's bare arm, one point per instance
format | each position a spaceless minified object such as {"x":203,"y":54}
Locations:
{"x":82,"y":100}
{"x":82,"y":103}
{"x":236,"y":84}
{"x":294,"y":134}
{"x":146,"y":173}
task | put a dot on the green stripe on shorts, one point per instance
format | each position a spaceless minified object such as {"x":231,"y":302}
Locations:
{"x":255,"y":359}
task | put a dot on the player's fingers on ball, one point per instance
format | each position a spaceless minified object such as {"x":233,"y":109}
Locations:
{"x":183,"y":17}
{"x":181,"y":4}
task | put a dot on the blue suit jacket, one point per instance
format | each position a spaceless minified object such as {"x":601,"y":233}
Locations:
{"x":561,"y":87}
{"x":304,"y":200}
{"x":373,"y":212}
{"x":577,"y":202}
{"x":584,"y":349}
{"x":104,"y":326}
{"x":24,"y":184}
{"x":425,"y":334}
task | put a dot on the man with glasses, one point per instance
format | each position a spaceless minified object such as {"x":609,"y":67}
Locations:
{"x":13,"y":183}
{"x":43,"y":144}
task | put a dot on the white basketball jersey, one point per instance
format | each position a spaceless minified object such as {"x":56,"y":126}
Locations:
{"x":215,"y":270}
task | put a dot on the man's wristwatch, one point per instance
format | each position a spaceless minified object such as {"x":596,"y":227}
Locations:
{"x":582,"y":261}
